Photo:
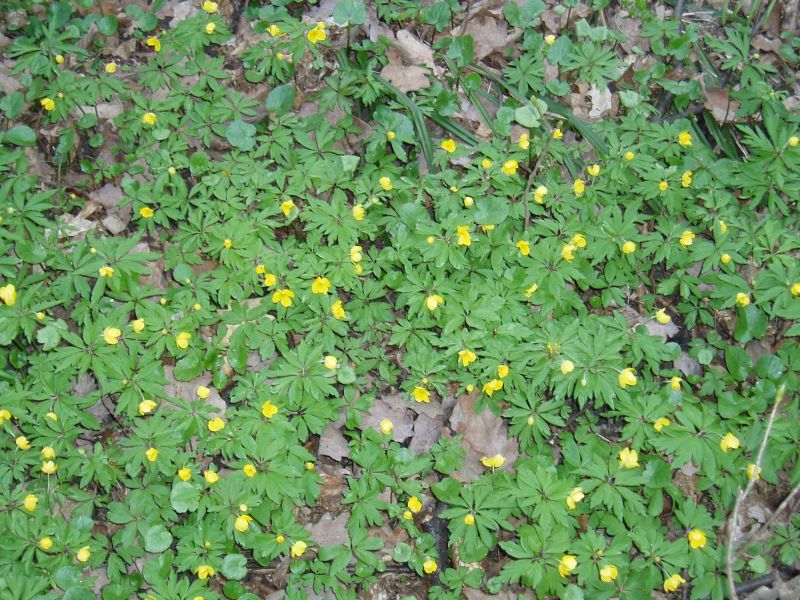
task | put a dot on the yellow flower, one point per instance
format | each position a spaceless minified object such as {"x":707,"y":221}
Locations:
{"x":494,"y":462}
{"x":385,"y":183}
{"x":242,"y":523}
{"x":433,"y":301}
{"x":280,"y":539}
{"x":524,"y":141}
{"x":216,"y":424}
{"x":628,"y":459}
{"x":29,"y":502}
{"x":111,"y":68}
{"x":470,"y":388}
{"x":629,"y":156}
{"x":793,"y":141}
{"x":723,"y":227}
{"x":492,"y":386}
{"x":40,"y":316}
{"x":358,"y":212}
{"x":510,"y":167}
{"x":386,"y":427}
{"x":210,"y":27}
{"x":211,"y":476}
{"x":171,"y":170}
{"x":414,"y":505}
{"x":686,"y":179}
{"x":210,"y":7}
{"x":575,"y":496}
{"x":469,"y":519}
{"x":464,"y":238}
{"x":185,"y":473}
{"x":151,"y":454}
{"x":59,"y":59}
{"x":557,"y":134}
{"x":84,"y":554}
{"x":753,"y":472}
{"x":662,"y":316}
{"x":742,"y":299}
{"x":320,"y":285}
{"x":137,"y":325}
{"x":539,"y":194}
{"x":270,"y":280}
{"x":260,"y":269}
{"x":673,"y":582}
{"x":697,"y":538}
{"x":317,"y":34}
{"x":390,"y":135}
{"x":567,"y":564}
{"x":465,"y":357}
{"x":594,"y":170}
{"x":149,"y":118}
{"x":729,"y":441}
{"x":330,"y":362}
{"x":356,"y":254}
{"x":48,"y":452}
{"x":663,"y":186}
{"x":274,"y":30}
{"x":628,"y":247}
{"x":111,"y":335}
{"x":287,"y":206}
{"x":4,"y":415}
{"x":524,"y":247}
{"x":550,"y":39}
{"x":268,"y":409}
{"x":502,"y":371}
{"x":608,"y":573}
{"x":154,"y":43}
{"x":50,"y":415}
{"x":299,"y":546}
{"x":249,"y":470}
{"x":687,"y":238}
{"x":660,"y":423}
{"x":283,"y":297}
{"x":49,"y":467}
{"x":448,"y":146}
{"x":22,"y":442}
{"x":430,"y":566}
{"x":48,"y":104}
{"x":578,"y":187}
{"x":685,"y":138}
{"x":578,"y":240}
{"x":205,"y":571}
{"x":795,"y":288}
{"x":675,"y":383}
{"x":45,"y":543}
{"x":337,"y":310}
{"x":567,"y":251}
{"x":227,"y":243}
{"x":202,"y":392}
{"x":469,"y":201}
{"x":486,"y":163}
{"x":106,"y":271}
{"x":567,"y":367}
{"x":182,"y":340}
{"x":420,"y":394}
{"x":531,"y":290}
{"x":8,"y":294}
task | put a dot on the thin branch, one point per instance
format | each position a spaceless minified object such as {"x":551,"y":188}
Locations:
{"x":742,"y":495}
{"x":786,"y":502}
{"x":534,"y":170}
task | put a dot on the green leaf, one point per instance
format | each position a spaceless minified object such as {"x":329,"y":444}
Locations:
{"x":281,"y":99}
{"x":402,"y":552}
{"x":184,"y":497}
{"x":50,"y":335}
{"x":751,"y":323}
{"x":107,"y":25}
{"x":157,"y":539}
{"x":67,"y":577}
{"x":492,"y":211}
{"x":528,"y":116}
{"x":20,"y":135}
{"x":241,"y":135}
{"x":346,"y":375}
{"x":738,"y":362}
{"x":349,"y":12}
{"x":572,"y":592}
{"x":234,"y":566}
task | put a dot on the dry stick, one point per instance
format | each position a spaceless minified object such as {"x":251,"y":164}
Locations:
{"x":742,"y":495}
{"x":786,"y":501}
{"x":526,"y":193}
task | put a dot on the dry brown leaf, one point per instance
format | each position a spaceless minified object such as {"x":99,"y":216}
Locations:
{"x":489,"y":35}
{"x":406,"y":79}
{"x":720,"y":105}
{"x":413,"y":51}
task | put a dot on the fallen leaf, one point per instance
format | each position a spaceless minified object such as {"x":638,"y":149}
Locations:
{"x":720,"y":105}
{"x":393,"y":408}
{"x":406,"y":79}
{"x":413,"y":51}
{"x":330,"y":530}
{"x":489,"y":35}
{"x":332,"y":443}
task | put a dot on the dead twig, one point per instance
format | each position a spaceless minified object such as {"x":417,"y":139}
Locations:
{"x":743,"y":494}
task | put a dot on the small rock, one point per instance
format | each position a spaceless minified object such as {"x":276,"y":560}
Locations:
{"x":330,"y":531}
{"x":789,"y":590}
{"x":109,"y":196}
{"x":332,"y":443}
{"x":114,"y":224}
{"x":764,"y":593}
{"x":687,"y":365}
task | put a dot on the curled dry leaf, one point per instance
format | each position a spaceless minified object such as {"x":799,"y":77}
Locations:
{"x":720,"y":105}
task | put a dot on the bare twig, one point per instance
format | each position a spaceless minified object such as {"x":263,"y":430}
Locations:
{"x":532,"y":176}
{"x":786,"y":502}
{"x":742,"y":495}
